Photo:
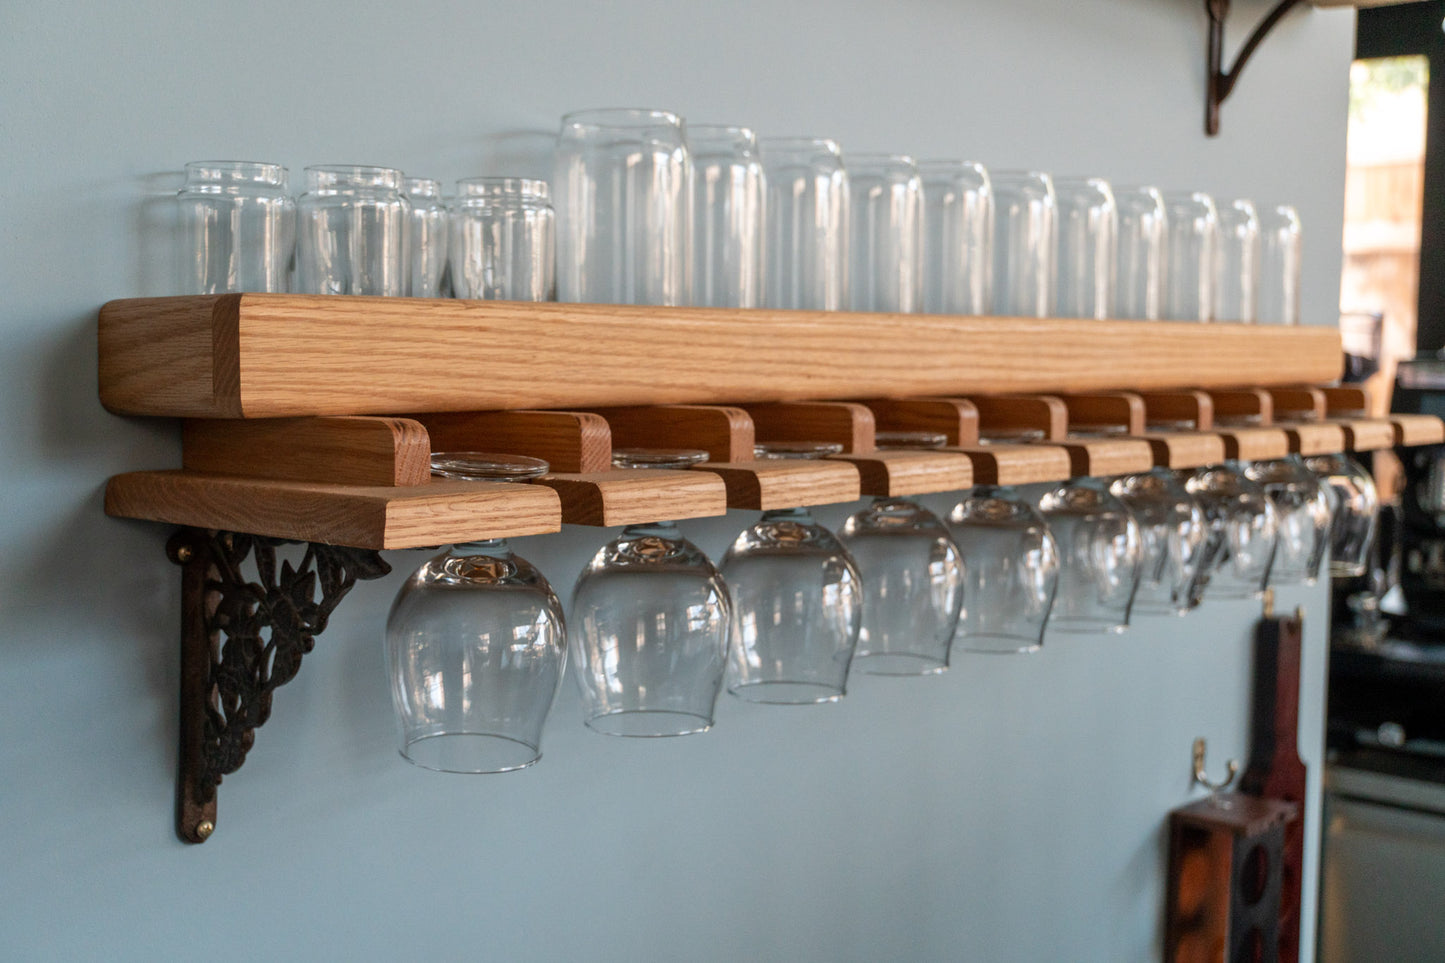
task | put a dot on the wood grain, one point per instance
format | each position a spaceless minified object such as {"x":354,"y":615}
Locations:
{"x":1184,"y":405}
{"x":569,"y":441}
{"x":1185,"y":449}
{"x":1413,"y":430}
{"x":1298,"y":403}
{"x":1017,"y":464}
{"x":439,"y":512}
{"x":1254,"y":444}
{"x":725,"y":433}
{"x":1314,"y":438}
{"x":954,"y":418}
{"x":901,"y":473}
{"x":339,"y":450}
{"x":847,"y":423}
{"x":1366,"y":434}
{"x":1346,"y":400}
{"x":636,"y":496}
{"x":768,"y":484}
{"x":1108,"y":456}
{"x":267,"y":355}
{"x":1242,"y":402}
{"x":1006,"y":412}
{"x":1106,"y":408}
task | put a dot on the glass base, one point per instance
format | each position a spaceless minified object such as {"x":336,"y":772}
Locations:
{"x":1086,"y":625}
{"x":470,"y":752}
{"x":649,"y":723}
{"x":786,"y":693}
{"x":1160,"y":608}
{"x":992,"y":644}
{"x":898,"y":663}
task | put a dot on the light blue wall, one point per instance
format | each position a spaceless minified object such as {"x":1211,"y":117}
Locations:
{"x":1010,"y":810}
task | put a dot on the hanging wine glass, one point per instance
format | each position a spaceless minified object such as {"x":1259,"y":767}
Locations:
{"x":797,"y":602}
{"x":1172,"y":537}
{"x":1240,"y":532}
{"x":912,"y":577}
{"x":1302,"y":518}
{"x":476,"y":644}
{"x":1354,"y":508}
{"x":650,"y":624}
{"x":1099,"y":556}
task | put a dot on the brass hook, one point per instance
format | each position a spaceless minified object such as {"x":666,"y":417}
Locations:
{"x":1231,"y":769}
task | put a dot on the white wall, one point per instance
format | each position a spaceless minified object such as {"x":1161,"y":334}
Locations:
{"x":1010,"y":810}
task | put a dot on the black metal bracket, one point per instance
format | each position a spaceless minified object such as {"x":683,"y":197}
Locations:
{"x":268,"y":624}
{"x":1220,"y":83}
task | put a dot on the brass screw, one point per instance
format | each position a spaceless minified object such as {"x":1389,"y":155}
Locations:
{"x":204,"y":828}
{"x":184,"y":553}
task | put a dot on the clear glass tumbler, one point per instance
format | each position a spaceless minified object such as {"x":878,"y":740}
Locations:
{"x":1099,"y":556}
{"x":807,"y":224}
{"x":1302,"y":518}
{"x":957,"y":237}
{"x":1241,"y":527}
{"x":797,"y":604}
{"x":1023,"y":244}
{"x":1011,"y":567}
{"x":1354,"y":511}
{"x":238,"y":227}
{"x":1191,"y":224}
{"x":728,"y":193}
{"x":623,"y":185}
{"x":503,"y":240}
{"x":1236,"y":262}
{"x":885,"y":234}
{"x":1171,"y":535}
{"x":352,"y":232}
{"x":427,"y":239}
{"x":650,"y":618}
{"x":1140,"y":261}
{"x":912,"y":580}
{"x":476,"y":645}
{"x":1088,"y":226}
{"x":1280,"y":263}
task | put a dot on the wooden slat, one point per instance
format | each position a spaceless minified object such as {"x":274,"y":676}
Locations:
{"x":1018,"y":464}
{"x":1417,"y":429}
{"x":268,"y":355}
{"x":1314,"y":438}
{"x":900,"y":473}
{"x":1044,"y":412}
{"x":1185,"y":405}
{"x":1298,"y":403}
{"x":725,"y":433}
{"x":569,"y":441}
{"x":954,"y":418}
{"x":847,"y":423}
{"x":1346,"y":400}
{"x":1243,"y":402}
{"x":636,"y":496}
{"x":1254,"y":444}
{"x":1185,"y":449}
{"x":1121,"y":408}
{"x":341,"y":450}
{"x":1108,"y":456}
{"x":439,"y":512}
{"x":784,"y":483}
{"x":1366,"y":434}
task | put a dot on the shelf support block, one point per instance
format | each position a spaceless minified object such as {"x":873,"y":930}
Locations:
{"x":268,"y":625}
{"x":1220,"y":83}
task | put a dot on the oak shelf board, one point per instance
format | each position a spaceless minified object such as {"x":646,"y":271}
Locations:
{"x":1108,"y":456}
{"x":900,"y":473}
{"x":1411,"y":430}
{"x":636,"y":496}
{"x":1017,"y":464}
{"x":1314,"y":438}
{"x":1366,"y":434}
{"x":1185,"y":449}
{"x":786,"y":483}
{"x":1254,"y":444}
{"x":439,"y":512}
{"x":271,"y":355}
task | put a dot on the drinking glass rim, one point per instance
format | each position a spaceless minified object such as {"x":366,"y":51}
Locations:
{"x":334,"y":176}
{"x":260,"y":172}
{"x":494,"y":186}
{"x":622,"y":118}
{"x":736,"y":130}
{"x":486,"y":466}
{"x":791,"y":142}
{"x":423,"y":186}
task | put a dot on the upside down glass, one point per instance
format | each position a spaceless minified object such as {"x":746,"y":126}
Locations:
{"x":797,"y":604}
{"x":238,"y":227}
{"x":352,"y":232}
{"x":1240,"y":524}
{"x":728,"y":189}
{"x":1011,"y":567}
{"x":1099,"y":556}
{"x":957,"y":237}
{"x":622,"y":183}
{"x":1302,"y":518}
{"x":885,"y":233}
{"x":1088,"y":224}
{"x":1354,"y":509}
{"x":650,"y":620}
{"x":1171,"y":534}
{"x":807,"y":224}
{"x":476,"y":644}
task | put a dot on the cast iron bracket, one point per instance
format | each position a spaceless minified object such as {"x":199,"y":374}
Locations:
{"x":1219,"y":82}
{"x":268,"y":624}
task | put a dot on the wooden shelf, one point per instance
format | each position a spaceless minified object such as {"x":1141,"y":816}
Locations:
{"x":269,"y":355}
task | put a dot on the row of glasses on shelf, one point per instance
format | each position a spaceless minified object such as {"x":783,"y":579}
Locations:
{"x":477,"y":641}
{"x":650,"y":210}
